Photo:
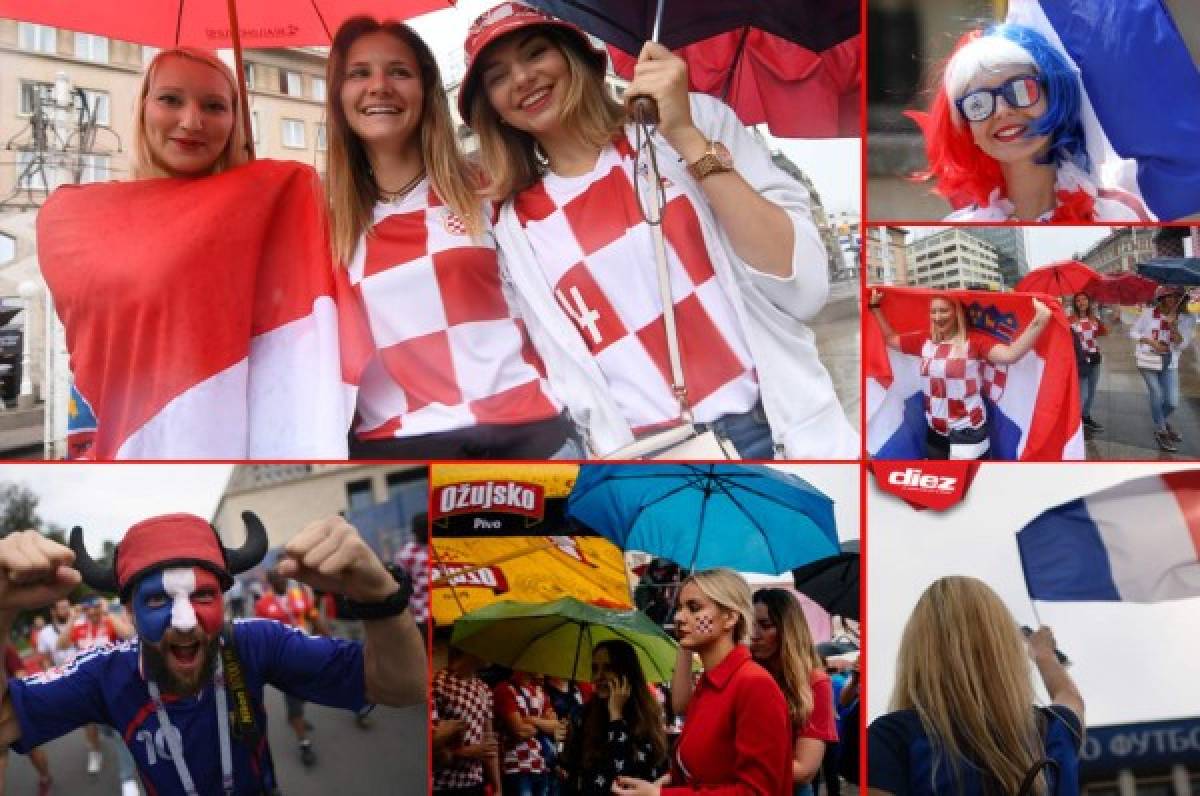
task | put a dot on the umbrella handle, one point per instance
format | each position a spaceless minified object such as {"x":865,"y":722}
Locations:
{"x":644,"y":110}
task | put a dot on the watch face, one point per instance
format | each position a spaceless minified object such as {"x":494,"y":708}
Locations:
{"x":723,"y":156}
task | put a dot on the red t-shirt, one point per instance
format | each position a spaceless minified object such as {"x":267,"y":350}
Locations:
{"x":294,"y":608}
{"x":822,"y":722}
{"x":735,"y":737}
{"x":12,"y":660}
{"x":85,"y":634}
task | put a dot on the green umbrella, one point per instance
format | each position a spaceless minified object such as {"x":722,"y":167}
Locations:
{"x":557,"y":638}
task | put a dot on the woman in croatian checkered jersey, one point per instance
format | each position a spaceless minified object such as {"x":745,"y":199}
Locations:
{"x":746,"y":263}
{"x":446,"y":367}
{"x":952,"y":360}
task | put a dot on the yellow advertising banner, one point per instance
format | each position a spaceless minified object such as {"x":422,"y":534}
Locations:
{"x":556,"y":479}
{"x":471,"y":572}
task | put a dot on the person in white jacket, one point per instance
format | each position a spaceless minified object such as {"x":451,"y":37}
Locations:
{"x":1163,"y":331}
{"x":746,"y":264}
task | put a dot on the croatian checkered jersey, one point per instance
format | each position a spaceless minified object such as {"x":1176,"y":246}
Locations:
{"x":953,"y":380}
{"x":1088,"y":330}
{"x":469,"y":700}
{"x":597,"y":255}
{"x":449,"y":351}
{"x":529,"y":701}
{"x":1153,"y":324}
{"x":105,"y":686}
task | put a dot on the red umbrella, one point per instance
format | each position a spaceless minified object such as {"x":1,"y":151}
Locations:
{"x":1127,"y":288}
{"x":1059,"y":279}
{"x":765,"y":78}
{"x":211,"y":24}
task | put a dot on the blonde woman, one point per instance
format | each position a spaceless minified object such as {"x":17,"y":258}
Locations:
{"x":200,"y":254}
{"x":450,"y":373}
{"x":952,"y":358}
{"x":782,"y":644}
{"x":746,"y":264}
{"x":736,"y":733}
{"x":963,"y":719}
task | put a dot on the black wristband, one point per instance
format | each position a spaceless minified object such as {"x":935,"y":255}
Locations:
{"x":394,"y":605}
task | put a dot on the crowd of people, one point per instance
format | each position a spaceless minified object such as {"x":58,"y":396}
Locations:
{"x":760,"y":717}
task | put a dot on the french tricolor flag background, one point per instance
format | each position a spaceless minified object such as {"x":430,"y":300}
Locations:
{"x":1033,"y":407}
{"x":1141,"y":95}
{"x":1138,"y":541}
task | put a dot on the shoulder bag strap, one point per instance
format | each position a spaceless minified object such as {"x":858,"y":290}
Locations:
{"x":241,"y":715}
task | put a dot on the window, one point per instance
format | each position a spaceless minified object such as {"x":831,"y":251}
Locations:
{"x":405,"y":482}
{"x":293,"y":134}
{"x":97,"y":104}
{"x":37,"y":38}
{"x":250,"y":76}
{"x":321,"y":143}
{"x":254,"y":128}
{"x":318,"y":85}
{"x":32,"y":92}
{"x":91,"y":47}
{"x":94,"y":168}
{"x":8,"y":248}
{"x":358,"y":495}
{"x":33,"y":175}
{"x":290,"y":83}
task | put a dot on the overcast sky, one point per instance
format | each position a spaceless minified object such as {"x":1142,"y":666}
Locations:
{"x":834,"y":165}
{"x":1110,"y":643}
{"x":105,"y":499}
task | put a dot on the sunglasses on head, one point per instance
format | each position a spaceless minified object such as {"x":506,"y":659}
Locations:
{"x":1019,"y":92}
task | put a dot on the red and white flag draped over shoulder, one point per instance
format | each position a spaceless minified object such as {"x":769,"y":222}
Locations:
{"x":1032,"y":404}
{"x":200,"y":314}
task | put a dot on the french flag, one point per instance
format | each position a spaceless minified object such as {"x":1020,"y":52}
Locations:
{"x":1033,"y":404}
{"x":1141,"y":94}
{"x":1138,"y":541}
{"x":200,"y":316}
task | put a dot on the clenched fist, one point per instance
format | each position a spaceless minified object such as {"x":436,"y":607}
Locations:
{"x":329,"y":555}
{"x":34,"y":571}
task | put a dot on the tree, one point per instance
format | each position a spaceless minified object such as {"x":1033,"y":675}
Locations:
{"x":18,"y":509}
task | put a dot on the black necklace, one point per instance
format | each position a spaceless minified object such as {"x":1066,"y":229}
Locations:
{"x":400,"y":193}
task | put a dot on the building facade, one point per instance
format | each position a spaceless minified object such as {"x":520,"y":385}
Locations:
{"x":1009,"y":242}
{"x":887,"y":255}
{"x":1121,"y":250}
{"x":954,"y":259}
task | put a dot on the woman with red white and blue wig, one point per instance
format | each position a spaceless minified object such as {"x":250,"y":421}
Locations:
{"x":1004,"y":138}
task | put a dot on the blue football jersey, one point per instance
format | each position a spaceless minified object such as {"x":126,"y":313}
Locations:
{"x":104,"y":686}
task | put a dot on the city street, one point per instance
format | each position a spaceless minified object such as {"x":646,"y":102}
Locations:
{"x":389,"y":757}
{"x":1122,"y":407}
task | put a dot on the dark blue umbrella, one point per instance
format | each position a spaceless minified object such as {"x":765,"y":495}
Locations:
{"x":815,"y":24}
{"x":750,"y":518}
{"x":1172,"y":270}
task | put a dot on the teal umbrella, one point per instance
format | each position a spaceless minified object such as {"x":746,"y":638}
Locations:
{"x":557,"y":638}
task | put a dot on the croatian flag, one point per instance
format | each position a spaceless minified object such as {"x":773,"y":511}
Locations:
{"x":1141,"y":94}
{"x":1033,"y":404}
{"x":200,"y":316}
{"x":1138,"y":541}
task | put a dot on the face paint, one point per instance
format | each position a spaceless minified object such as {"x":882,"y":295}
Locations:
{"x":179,"y":598}
{"x":704,"y":625}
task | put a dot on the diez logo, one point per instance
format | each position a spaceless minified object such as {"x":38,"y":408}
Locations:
{"x":501,"y":496}
{"x":914,"y":478}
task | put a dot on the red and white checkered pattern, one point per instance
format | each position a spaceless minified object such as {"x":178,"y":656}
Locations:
{"x":470,"y":700}
{"x":953,"y":385}
{"x":528,"y":700}
{"x":414,"y":557}
{"x":449,"y":353}
{"x":1087,"y":329}
{"x":597,"y":254}
{"x":1160,"y":328}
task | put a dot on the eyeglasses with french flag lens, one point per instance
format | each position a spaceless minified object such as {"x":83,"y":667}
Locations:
{"x":1021,"y":91}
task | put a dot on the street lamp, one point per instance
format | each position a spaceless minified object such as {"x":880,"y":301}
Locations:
{"x":29,"y":290}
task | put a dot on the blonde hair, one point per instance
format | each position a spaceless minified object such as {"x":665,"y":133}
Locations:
{"x":145,"y":165}
{"x":797,"y":654}
{"x":959,"y":339}
{"x":963,"y":667}
{"x":350,"y":189}
{"x":729,"y":591}
{"x":510,"y":157}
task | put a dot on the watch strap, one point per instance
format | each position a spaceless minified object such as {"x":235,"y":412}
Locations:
{"x":394,"y":605}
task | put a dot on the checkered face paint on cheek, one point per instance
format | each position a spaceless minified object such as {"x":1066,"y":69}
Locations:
{"x":704,"y":625}
{"x":179,"y":598}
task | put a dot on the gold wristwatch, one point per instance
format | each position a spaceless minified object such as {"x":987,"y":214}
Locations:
{"x":716,"y":160}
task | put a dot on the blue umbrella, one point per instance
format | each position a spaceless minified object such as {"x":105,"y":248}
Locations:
{"x":1172,"y":270}
{"x":815,"y":24}
{"x":750,"y":518}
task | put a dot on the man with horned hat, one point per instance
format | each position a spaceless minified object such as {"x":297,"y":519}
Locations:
{"x":187,"y":693}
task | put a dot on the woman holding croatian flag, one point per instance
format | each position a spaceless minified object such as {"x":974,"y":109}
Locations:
{"x":1163,"y":331}
{"x":447,"y":371}
{"x":1004,"y":139}
{"x":953,"y":362}
{"x":963,"y":718}
{"x":739,"y":256}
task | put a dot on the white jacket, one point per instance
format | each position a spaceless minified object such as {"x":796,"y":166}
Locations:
{"x":1185,"y":325}
{"x":797,"y":393}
